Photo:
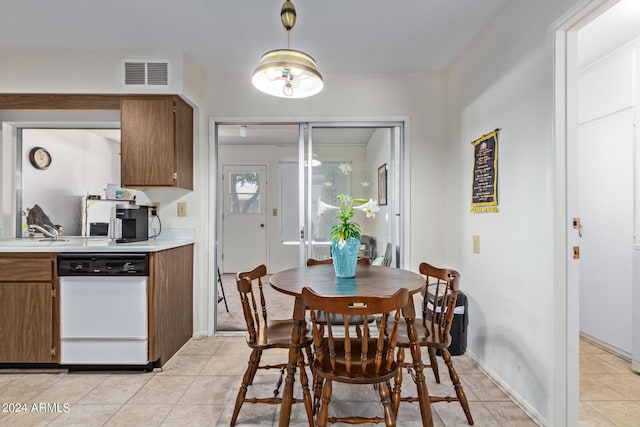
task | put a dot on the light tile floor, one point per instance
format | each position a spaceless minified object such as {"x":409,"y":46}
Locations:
{"x":609,"y":389}
{"x":197,"y":387}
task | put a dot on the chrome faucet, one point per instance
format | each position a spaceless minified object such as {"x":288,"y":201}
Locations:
{"x":49,"y":231}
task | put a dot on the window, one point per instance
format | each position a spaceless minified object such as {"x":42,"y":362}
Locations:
{"x":244,"y":192}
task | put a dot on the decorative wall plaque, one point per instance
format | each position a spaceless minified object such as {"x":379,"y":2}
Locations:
{"x":484,"y":189}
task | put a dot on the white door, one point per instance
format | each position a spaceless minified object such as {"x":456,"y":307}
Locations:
{"x":244,"y":220}
{"x":606,"y":206}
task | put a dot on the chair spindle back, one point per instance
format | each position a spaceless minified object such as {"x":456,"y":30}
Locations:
{"x":354,"y":349}
{"x":440,"y":297}
{"x":252,"y":312}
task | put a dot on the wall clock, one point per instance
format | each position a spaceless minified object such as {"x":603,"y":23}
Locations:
{"x":39,"y":158}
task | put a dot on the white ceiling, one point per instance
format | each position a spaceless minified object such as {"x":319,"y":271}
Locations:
{"x":353,"y":36}
{"x":356,"y":36}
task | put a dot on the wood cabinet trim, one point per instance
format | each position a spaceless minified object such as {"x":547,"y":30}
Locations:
{"x":31,"y":270}
{"x":54,"y":101}
{"x":170,"y":301}
{"x":67,"y":101}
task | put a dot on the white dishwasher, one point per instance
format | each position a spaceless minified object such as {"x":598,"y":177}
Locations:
{"x":103,"y":308}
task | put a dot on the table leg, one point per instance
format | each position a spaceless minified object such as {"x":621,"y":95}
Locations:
{"x":423,"y":394}
{"x":294,"y":349}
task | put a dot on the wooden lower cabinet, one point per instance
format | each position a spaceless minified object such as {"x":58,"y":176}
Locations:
{"x":30,"y":313}
{"x":170,"y":302}
{"x":27,"y":309}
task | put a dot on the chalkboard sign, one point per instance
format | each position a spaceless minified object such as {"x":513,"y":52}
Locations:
{"x":484,"y":190}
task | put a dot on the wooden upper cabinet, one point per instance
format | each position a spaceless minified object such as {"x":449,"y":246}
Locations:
{"x":157,"y":142}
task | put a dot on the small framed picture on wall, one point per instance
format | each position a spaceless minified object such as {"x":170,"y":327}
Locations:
{"x":382,"y":185}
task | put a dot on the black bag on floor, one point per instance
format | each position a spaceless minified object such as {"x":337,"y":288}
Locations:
{"x":458,"y":326}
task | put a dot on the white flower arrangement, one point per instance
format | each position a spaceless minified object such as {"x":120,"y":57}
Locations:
{"x":345,"y":168}
{"x":345,"y":228}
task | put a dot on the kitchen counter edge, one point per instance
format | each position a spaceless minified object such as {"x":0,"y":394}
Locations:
{"x":83,"y":244}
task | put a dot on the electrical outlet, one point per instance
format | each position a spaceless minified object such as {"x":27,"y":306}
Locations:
{"x":476,"y":244}
{"x":182,"y":208}
{"x":156,"y":206}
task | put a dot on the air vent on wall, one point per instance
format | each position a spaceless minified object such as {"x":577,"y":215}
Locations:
{"x":146,"y":73}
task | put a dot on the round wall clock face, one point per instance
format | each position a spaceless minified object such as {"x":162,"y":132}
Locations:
{"x":40,"y":158}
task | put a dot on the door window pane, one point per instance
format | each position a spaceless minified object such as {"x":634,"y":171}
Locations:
{"x":244,"y":191}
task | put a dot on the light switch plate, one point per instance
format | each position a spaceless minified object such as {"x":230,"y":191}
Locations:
{"x":182,"y":208}
{"x":476,"y":244}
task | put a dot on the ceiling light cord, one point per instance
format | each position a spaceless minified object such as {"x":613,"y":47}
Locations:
{"x":287,"y":89}
{"x":288,"y":17}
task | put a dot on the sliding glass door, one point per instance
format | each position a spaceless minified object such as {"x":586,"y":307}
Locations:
{"x":305,"y":166}
{"x":358,"y":160}
{"x":302,"y":166}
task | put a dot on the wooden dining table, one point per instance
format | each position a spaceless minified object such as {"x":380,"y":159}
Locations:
{"x":368,"y":281}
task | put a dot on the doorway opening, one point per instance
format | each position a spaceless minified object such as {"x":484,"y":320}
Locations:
{"x":596,"y":102}
{"x":273,"y":177}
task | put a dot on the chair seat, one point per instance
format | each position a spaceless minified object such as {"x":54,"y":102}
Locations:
{"x":356,"y":375}
{"x":277,"y":334}
{"x":428,"y":336}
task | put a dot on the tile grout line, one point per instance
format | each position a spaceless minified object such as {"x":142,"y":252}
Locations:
{"x":122,"y":405}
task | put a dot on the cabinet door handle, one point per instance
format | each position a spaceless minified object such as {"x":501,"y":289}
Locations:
{"x":261,"y":225}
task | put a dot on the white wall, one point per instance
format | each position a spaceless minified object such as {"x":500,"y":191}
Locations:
{"x":505,"y":80}
{"x":82,"y":163}
{"x":50,"y":71}
{"x":378,"y":154}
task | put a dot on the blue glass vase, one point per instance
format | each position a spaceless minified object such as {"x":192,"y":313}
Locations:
{"x":345,"y":256}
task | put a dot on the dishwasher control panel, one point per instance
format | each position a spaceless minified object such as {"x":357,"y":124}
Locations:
{"x":128,"y":264}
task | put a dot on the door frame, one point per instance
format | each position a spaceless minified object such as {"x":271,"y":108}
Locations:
{"x":403,"y":177}
{"x":566,"y":375}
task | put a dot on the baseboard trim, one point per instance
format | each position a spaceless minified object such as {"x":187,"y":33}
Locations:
{"x":522,"y":404}
{"x":607,"y":347}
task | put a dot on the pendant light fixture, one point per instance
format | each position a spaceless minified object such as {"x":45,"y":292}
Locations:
{"x":287,"y":73}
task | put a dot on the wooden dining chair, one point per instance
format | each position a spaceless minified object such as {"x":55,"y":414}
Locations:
{"x":369,"y":359}
{"x":439,"y":302}
{"x":338,"y":319}
{"x":265,"y":334}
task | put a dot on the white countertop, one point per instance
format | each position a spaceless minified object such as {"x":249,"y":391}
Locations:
{"x":90,"y":244}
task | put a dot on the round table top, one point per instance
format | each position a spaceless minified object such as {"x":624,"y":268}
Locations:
{"x":370,"y":280}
